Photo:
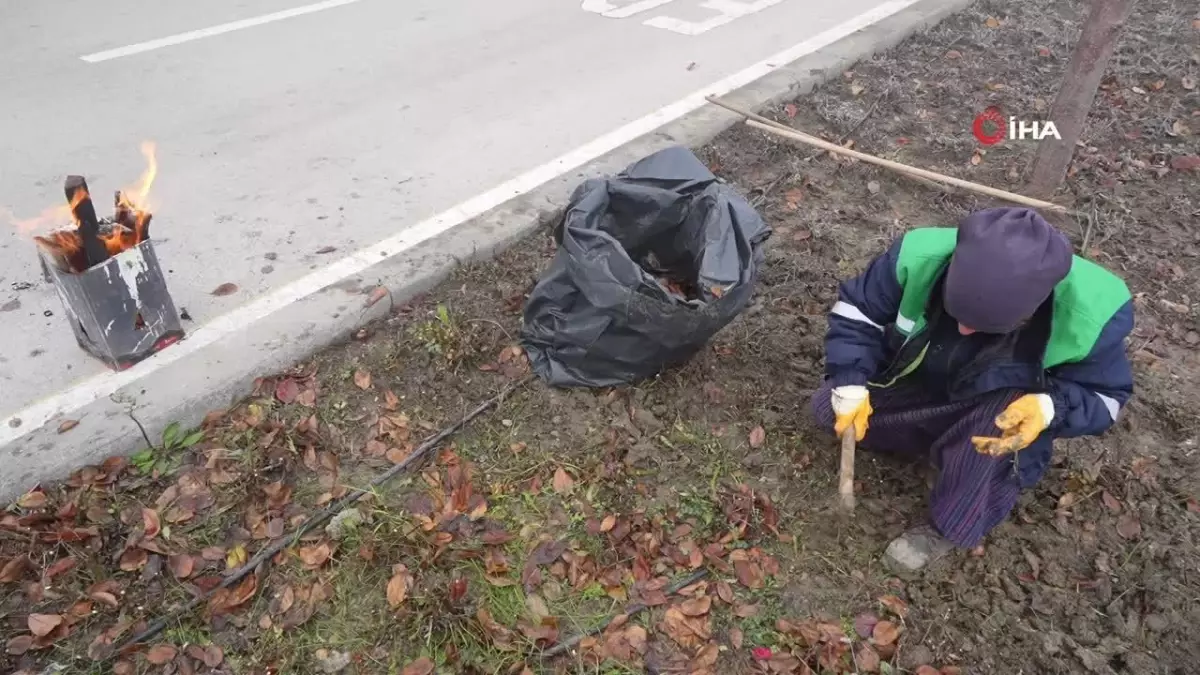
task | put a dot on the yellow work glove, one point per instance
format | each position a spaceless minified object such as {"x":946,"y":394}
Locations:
{"x":851,"y":405}
{"x":1020,"y":424}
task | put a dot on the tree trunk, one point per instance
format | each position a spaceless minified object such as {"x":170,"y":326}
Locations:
{"x":1076,"y":94}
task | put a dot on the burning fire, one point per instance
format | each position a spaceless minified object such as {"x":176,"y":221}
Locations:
{"x":128,"y":227}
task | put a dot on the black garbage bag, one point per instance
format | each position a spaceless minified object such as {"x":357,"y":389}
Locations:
{"x":651,"y":264}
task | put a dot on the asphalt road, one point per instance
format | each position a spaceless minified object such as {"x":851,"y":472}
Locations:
{"x":334,"y":126}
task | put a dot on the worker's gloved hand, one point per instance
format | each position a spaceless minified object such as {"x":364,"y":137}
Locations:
{"x":851,"y":405}
{"x":1020,"y":424}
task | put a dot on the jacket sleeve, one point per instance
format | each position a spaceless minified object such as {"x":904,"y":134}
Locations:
{"x":866,"y":304}
{"x":1089,"y":394}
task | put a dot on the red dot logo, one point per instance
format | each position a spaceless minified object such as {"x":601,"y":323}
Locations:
{"x":989,"y":126}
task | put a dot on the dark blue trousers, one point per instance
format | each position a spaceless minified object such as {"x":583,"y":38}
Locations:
{"x":974,"y":493}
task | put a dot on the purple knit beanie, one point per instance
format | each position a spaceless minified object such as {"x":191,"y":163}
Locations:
{"x":1006,"y":263}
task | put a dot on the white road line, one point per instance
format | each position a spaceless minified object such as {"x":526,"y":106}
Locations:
{"x":106,"y":384}
{"x":181,"y":38}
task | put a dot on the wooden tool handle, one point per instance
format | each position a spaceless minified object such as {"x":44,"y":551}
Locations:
{"x":846,"y":474}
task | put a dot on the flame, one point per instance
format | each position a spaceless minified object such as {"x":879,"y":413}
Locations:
{"x":137,"y":196}
{"x":128,"y":229}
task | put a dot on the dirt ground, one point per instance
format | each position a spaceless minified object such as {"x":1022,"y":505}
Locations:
{"x":553,"y":512}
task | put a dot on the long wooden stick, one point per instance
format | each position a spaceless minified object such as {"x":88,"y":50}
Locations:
{"x":846,"y":474}
{"x":760,"y":122}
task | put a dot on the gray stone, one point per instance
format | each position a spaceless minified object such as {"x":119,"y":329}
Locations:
{"x":916,"y":656}
{"x":331,"y":661}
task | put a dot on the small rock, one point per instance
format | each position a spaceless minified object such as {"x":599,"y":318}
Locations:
{"x":873,"y":188}
{"x":331,"y":661}
{"x":1084,"y":632}
{"x":267,"y":269}
{"x":1156,"y":622}
{"x":271,"y":256}
{"x":1192,"y":337}
{"x":1052,"y":642}
{"x":915,"y":657}
{"x":344,"y":523}
{"x":1093,"y":661}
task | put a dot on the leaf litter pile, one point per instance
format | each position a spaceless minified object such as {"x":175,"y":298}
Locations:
{"x":682,"y":525}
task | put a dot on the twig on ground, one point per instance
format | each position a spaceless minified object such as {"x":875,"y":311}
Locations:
{"x":320,"y":517}
{"x":853,"y":130}
{"x":630,"y":610}
{"x":760,"y":122}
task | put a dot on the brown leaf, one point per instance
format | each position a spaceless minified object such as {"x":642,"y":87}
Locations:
{"x":14,"y":569}
{"x":927,"y":670}
{"x":748,"y":572}
{"x":885,"y":633}
{"x":867,"y":659}
{"x":287,"y":390}
{"x":792,"y":198}
{"x":377,"y":294}
{"x":399,"y":585}
{"x":181,"y":565}
{"x":124,"y":668}
{"x":687,"y":632}
{"x":67,"y":425}
{"x":706,"y":658}
{"x":790,"y":110}
{"x":1129,"y":527}
{"x":315,"y":556}
{"x":697,"y":606}
{"x":1188,"y":82}
{"x":758,"y":436}
{"x":458,"y":590}
{"x":563,"y":483}
{"x":895,"y":605}
{"x":390,"y":401}
{"x":161,"y":654}
{"x":725,"y":592}
{"x":976,"y":159}
{"x":42,"y":624}
{"x":953,"y":54}
{"x":1185,"y":162}
{"x":19,"y":645}
{"x":609,"y":522}
{"x":134,"y":559}
{"x":1112,"y":503}
{"x":362,"y":379}
{"x":992,"y":22}
{"x":32,"y":500}
{"x":736,"y":637}
{"x":151,"y":523}
{"x":226,"y":288}
{"x":60,"y":567}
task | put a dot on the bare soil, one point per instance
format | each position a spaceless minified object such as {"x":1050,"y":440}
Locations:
{"x":545,"y":517}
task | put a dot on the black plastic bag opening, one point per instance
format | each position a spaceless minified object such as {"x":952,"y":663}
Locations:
{"x":651,"y":264}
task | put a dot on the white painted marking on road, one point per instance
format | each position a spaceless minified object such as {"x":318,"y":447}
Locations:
{"x":607,"y":9}
{"x":180,"y":38}
{"x":727,"y":10}
{"x":39,"y":414}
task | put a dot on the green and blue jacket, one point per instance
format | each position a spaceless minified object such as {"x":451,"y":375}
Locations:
{"x":1073,"y":348}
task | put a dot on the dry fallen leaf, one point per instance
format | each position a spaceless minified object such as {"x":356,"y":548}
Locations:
{"x":67,"y":425}
{"x":563,"y":483}
{"x":315,"y":556}
{"x":42,"y":625}
{"x":792,"y":198}
{"x":1129,"y":527}
{"x":151,"y":523}
{"x":696,"y":606}
{"x":236,"y":557}
{"x":1185,"y":162}
{"x":32,"y":500}
{"x":895,"y":605}
{"x":758,"y":436}
{"x":856,"y":89}
{"x":1110,"y":502}
{"x":885,"y":633}
{"x":1188,"y":82}
{"x":134,"y":559}
{"x":226,"y":288}
{"x":992,"y":22}
{"x":14,"y":569}
{"x":161,"y":654}
{"x":399,"y":585}
{"x":928,"y":670}
{"x":976,"y":159}
{"x":790,"y":110}
{"x":867,"y":659}
{"x":362,"y":379}
{"x":181,"y":565}
{"x":19,"y":645}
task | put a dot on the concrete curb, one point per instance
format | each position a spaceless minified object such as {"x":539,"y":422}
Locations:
{"x":185,"y":385}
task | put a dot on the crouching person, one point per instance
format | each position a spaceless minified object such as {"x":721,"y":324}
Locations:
{"x":975,"y":347}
